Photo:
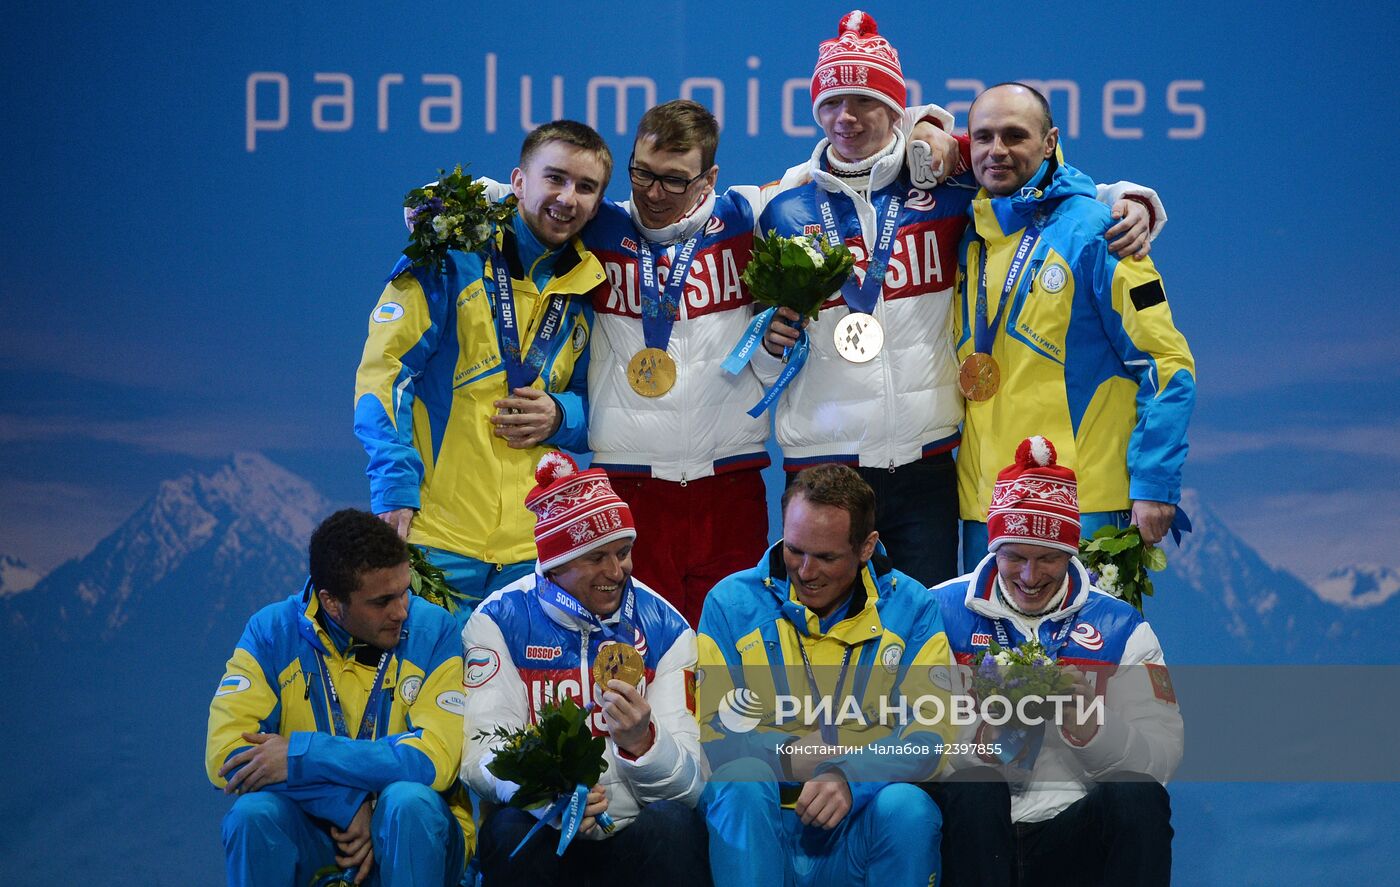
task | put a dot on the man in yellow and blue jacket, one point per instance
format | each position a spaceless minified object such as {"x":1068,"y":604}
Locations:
{"x":824,"y":687}
{"x":1084,"y":342}
{"x":338,"y":725}
{"x":471,"y":371}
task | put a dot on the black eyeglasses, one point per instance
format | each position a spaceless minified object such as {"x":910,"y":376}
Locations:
{"x":643,"y":178}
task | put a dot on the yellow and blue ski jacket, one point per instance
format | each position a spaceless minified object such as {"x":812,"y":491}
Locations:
{"x":753,"y":634}
{"x":1088,"y":353}
{"x":429,"y":376}
{"x":274,"y":683}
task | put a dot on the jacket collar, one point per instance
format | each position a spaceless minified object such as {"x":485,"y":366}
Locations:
{"x":862,"y":622}
{"x":691,"y":222}
{"x":982,"y":598}
{"x":564,"y":618}
{"x":884,"y":173}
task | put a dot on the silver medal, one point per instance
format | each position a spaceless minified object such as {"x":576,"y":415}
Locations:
{"x":859,"y":337}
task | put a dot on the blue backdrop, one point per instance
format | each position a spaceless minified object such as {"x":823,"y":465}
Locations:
{"x":201,"y":207}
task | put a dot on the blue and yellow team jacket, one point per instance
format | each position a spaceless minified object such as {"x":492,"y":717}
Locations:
{"x":274,"y":683}
{"x":1088,"y":352}
{"x":429,"y":376}
{"x":750,"y":670}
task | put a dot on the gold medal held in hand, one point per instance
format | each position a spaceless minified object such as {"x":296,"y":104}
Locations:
{"x":618,"y":662}
{"x":979,"y":377}
{"x":651,"y":372}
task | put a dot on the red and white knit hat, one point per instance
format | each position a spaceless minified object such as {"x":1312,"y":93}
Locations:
{"x":575,"y":511}
{"x":1035,"y":501}
{"x":858,"y":61}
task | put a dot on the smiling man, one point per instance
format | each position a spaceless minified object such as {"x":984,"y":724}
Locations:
{"x":1058,"y":336}
{"x":452,"y":422}
{"x":337,"y":725}
{"x":1095,"y":784}
{"x":824,"y":616}
{"x":879,"y":387}
{"x":580,"y":627}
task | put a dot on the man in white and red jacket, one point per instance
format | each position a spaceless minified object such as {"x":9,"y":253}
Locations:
{"x":890,"y":408}
{"x":1096,"y":782}
{"x":536,"y":641}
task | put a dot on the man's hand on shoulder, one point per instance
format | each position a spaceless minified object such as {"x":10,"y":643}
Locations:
{"x":353,"y":847}
{"x":825,"y":800}
{"x":527,"y":418}
{"x":263,"y":764}
{"x":1131,"y":236}
{"x":629,"y":718}
{"x":933,"y":154}
{"x":399,"y":518}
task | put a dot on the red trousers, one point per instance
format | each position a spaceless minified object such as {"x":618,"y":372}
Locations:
{"x":693,"y":535}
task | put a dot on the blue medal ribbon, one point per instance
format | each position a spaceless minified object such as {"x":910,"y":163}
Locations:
{"x":370,"y":719}
{"x":552,"y":594}
{"x":661,"y":308}
{"x":521,"y":369}
{"x":795,"y":361}
{"x":983,"y":331}
{"x":748,"y":343}
{"x":861,"y":298}
{"x":1025,"y":742}
{"x":569,"y":808}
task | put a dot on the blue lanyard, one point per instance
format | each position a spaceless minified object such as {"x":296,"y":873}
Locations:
{"x":828,"y":729}
{"x":662,"y":307}
{"x":862,"y":298}
{"x":522,"y":370}
{"x":370,"y":719}
{"x":983,"y":331}
{"x":558,"y":597}
{"x":1056,"y":642}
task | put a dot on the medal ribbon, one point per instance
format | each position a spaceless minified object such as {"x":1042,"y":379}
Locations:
{"x":828,"y":729}
{"x":662,"y":307}
{"x":369,"y":720}
{"x":522,"y":370}
{"x":569,"y":808}
{"x":862,"y":298}
{"x":745,"y":348}
{"x":983,"y":331}
{"x":796,"y":359}
{"x":560,"y":598}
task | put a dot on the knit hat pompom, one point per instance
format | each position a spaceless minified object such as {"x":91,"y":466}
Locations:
{"x":862,"y":24}
{"x":554,"y":466}
{"x":1035,"y":452}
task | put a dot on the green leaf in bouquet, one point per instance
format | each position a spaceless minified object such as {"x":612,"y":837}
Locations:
{"x":1155,"y":558}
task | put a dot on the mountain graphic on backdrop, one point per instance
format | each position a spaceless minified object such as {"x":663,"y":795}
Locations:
{"x":16,"y":576}
{"x":206,"y":550}
{"x":1219,"y":601}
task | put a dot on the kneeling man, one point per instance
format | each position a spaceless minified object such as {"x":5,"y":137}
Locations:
{"x":538,"y":640}
{"x":1094,"y":810}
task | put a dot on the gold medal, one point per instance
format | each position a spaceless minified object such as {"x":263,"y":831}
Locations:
{"x":858,"y":337}
{"x":651,"y":372}
{"x":618,"y":662}
{"x":979,"y":377}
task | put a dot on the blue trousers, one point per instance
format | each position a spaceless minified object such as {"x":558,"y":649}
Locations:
{"x":269,"y":841}
{"x":974,"y":533}
{"x":473,"y":578}
{"x":892,"y":842}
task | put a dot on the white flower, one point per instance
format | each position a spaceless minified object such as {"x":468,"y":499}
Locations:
{"x":482,"y":232}
{"x":809,"y":246}
{"x":1108,"y":579}
{"x":442,"y":224}
{"x":1003,"y":659}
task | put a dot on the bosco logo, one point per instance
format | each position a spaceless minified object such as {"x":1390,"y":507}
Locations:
{"x":739,"y":710}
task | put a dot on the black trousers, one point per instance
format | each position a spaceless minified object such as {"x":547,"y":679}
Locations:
{"x":916,"y":514}
{"x":666,"y":845}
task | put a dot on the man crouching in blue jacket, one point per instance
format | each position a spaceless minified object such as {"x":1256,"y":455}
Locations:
{"x":338,"y":726}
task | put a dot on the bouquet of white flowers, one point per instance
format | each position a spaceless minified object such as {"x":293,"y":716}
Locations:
{"x":1120,"y":561}
{"x":799,"y":272}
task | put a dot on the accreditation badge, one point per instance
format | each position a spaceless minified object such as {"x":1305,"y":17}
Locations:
{"x":859,"y":337}
{"x":651,"y":372}
{"x":979,"y":377}
{"x":618,"y":662}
